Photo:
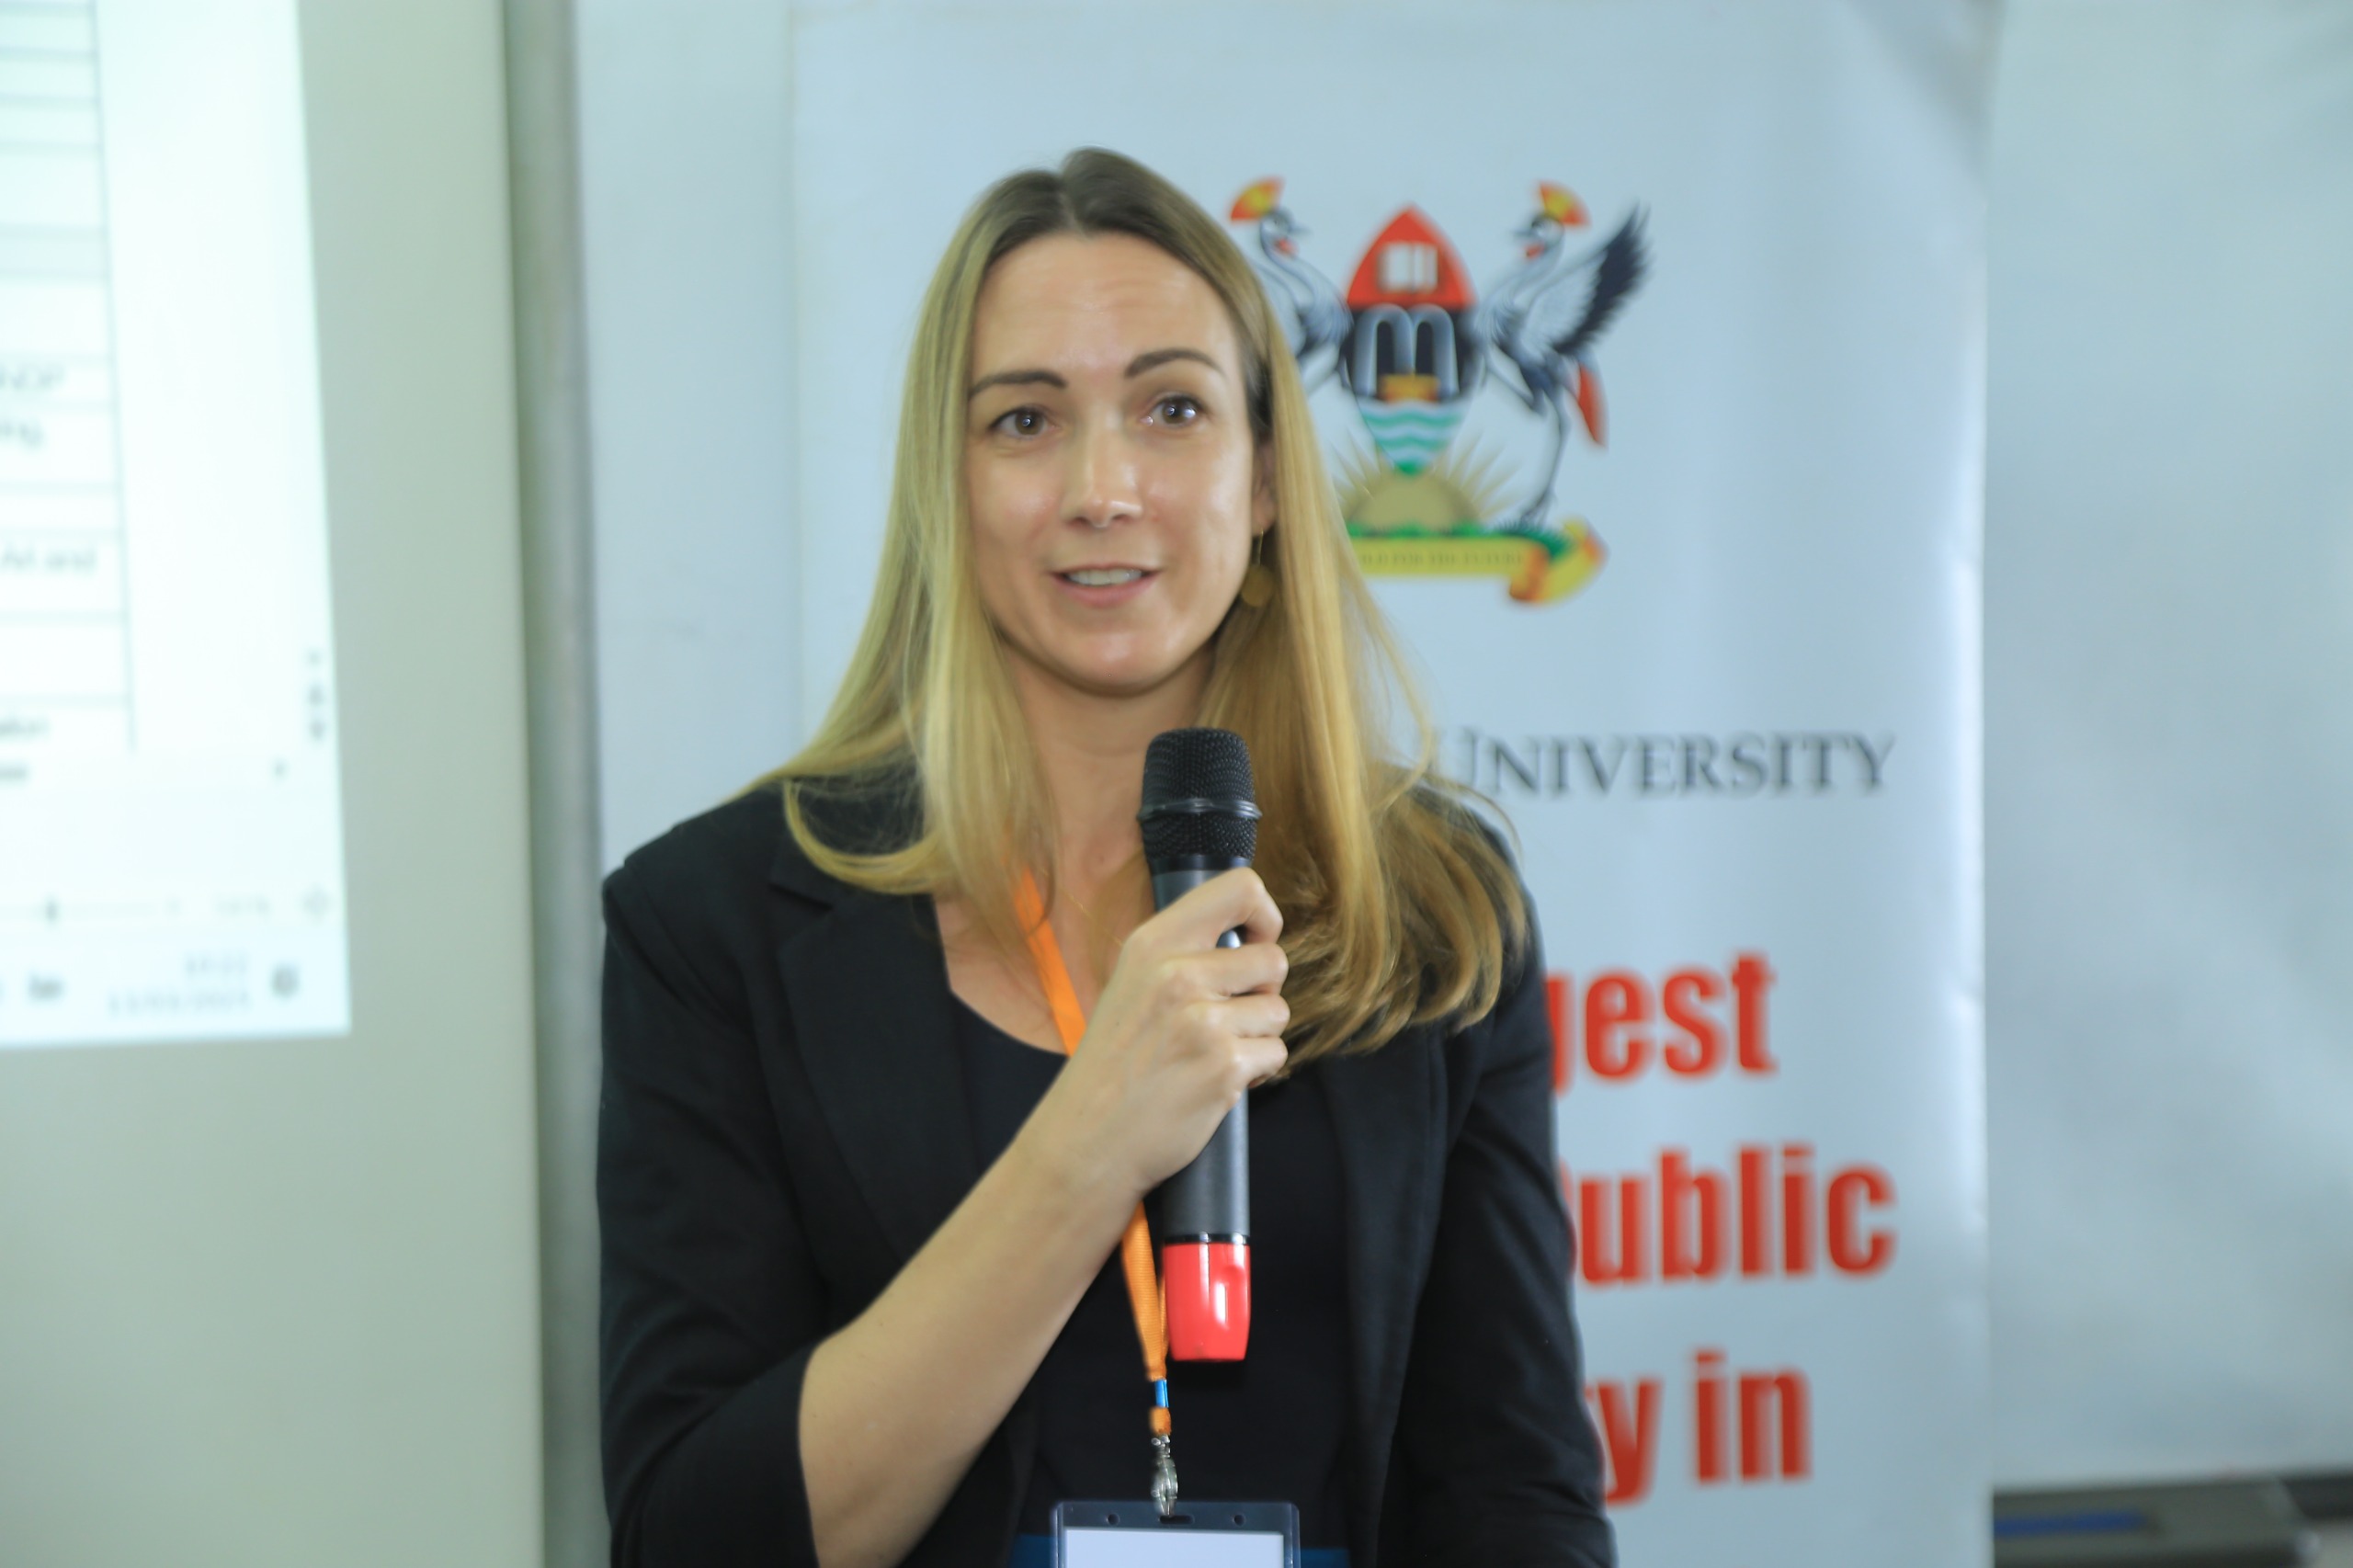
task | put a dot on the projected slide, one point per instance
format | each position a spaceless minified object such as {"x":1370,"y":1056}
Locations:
{"x":171,"y":861}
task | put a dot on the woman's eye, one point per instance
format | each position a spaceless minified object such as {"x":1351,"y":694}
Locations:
{"x":1022,"y":421}
{"x":1176,"y":410}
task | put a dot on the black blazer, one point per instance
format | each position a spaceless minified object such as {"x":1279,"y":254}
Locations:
{"x":784,"y":1123}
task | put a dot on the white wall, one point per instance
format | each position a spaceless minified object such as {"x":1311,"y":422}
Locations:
{"x":2169,"y":747}
{"x":685,"y":212}
{"x":271,"y":1304}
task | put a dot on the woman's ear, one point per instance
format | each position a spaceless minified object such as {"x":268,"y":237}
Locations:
{"x":1262,"y":489}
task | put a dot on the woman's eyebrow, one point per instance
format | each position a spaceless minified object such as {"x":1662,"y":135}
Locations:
{"x":1018,"y":379}
{"x":1158,"y":356}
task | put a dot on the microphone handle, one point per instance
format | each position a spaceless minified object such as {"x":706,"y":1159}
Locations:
{"x":1203,"y":1210}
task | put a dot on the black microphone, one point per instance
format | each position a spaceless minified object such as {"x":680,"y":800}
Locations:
{"x":1199,"y":818}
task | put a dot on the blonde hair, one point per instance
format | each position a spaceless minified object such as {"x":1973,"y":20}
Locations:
{"x":1400,"y":909}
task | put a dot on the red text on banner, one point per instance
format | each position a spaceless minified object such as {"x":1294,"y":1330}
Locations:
{"x":1692,"y":1022}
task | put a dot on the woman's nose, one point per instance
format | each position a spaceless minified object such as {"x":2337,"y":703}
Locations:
{"x":1101,"y":487}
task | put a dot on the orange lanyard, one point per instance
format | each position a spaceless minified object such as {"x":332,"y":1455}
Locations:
{"x":1136,"y":1243}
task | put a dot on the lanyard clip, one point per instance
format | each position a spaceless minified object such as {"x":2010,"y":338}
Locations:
{"x":1163,"y":1475}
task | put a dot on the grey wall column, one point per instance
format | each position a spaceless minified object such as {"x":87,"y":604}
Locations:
{"x":552,"y":376}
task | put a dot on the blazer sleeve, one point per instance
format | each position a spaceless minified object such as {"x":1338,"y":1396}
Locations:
{"x":1495,"y":1461}
{"x":712,"y":1303}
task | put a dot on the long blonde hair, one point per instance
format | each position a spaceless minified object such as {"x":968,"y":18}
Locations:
{"x":1399,"y":909}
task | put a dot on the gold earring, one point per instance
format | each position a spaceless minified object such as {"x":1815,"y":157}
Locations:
{"x":1258,"y":583}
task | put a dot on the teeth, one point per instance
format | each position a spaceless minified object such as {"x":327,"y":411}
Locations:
{"x":1105,"y":578}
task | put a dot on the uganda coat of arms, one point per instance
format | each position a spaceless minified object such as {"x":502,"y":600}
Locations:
{"x":1412,"y":343}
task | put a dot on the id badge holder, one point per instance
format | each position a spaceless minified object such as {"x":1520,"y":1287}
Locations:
{"x":1198,"y":1535}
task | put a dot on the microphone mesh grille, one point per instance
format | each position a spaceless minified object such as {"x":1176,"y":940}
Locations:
{"x":1199,"y":763}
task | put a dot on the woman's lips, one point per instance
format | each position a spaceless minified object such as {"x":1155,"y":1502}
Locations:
{"x":1106,"y":595}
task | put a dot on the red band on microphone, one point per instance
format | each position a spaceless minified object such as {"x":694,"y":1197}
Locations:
{"x":1206,"y":1288}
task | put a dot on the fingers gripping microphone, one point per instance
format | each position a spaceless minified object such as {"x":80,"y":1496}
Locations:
{"x":1199,"y":819}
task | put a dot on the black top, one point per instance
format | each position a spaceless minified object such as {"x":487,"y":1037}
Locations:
{"x":1269,"y":1429}
{"x":784,"y":1124}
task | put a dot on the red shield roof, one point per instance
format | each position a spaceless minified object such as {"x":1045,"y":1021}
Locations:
{"x":1410,"y":263}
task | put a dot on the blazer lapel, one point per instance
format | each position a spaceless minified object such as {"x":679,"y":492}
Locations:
{"x":1385,"y":1116}
{"x":871,"y":1013}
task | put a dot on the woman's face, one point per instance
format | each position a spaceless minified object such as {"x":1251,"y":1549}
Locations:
{"x":1112,"y":478}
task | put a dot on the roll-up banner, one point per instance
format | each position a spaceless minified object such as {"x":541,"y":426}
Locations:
{"x":1647,"y":342}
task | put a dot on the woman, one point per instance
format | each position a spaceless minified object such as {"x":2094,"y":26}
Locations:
{"x":861,"y":1305}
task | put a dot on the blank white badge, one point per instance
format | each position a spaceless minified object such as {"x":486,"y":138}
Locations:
{"x":1171,"y":1548}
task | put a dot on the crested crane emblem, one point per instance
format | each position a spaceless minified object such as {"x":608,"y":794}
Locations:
{"x":1413,"y":344}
